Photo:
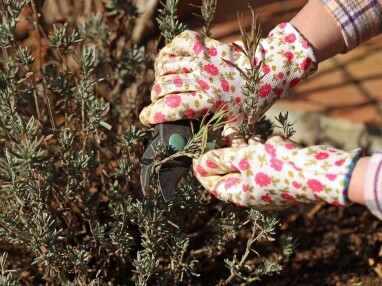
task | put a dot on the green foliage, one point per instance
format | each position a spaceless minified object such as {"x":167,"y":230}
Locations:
{"x":6,"y":276}
{"x":168,"y":20}
{"x":60,"y":38}
{"x":252,"y":75}
{"x":122,"y":7}
{"x":285,"y":125}
{"x":71,"y":148}
{"x":207,"y":9}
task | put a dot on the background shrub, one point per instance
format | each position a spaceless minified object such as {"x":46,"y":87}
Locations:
{"x":71,"y":210}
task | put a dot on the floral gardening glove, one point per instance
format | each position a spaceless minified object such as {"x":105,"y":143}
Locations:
{"x":192,"y":77}
{"x":276,"y":174}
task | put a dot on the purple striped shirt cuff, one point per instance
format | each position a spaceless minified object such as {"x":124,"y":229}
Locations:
{"x":373,"y":185}
{"x":358,"y":20}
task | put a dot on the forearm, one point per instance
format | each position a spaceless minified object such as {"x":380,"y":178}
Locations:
{"x":337,"y":26}
{"x":320,"y":29}
{"x":357,"y":181}
{"x":365,"y":186}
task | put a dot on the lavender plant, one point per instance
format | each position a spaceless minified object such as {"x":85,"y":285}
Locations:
{"x":71,"y":210}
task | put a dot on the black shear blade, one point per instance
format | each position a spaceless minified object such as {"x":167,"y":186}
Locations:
{"x":147,"y":167}
{"x":171,"y":172}
{"x":170,"y":175}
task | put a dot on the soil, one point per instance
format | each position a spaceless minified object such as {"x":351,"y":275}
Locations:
{"x":335,"y":246}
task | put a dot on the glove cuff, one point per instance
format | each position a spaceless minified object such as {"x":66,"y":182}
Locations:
{"x":344,"y":176}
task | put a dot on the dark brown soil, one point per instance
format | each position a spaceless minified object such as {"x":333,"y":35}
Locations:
{"x":336,"y":246}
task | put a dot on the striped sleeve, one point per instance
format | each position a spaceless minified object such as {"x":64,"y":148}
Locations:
{"x":373,"y":185}
{"x":359,"y":20}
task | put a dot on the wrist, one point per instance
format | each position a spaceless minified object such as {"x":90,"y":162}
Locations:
{"x":357,"y":179}
{"x":320,"y":30}
{"x":372,"y":188}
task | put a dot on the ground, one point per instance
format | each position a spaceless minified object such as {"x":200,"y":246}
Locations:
{"x":335,"y":246}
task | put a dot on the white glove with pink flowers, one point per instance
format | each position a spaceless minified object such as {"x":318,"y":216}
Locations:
{"x":276,"y":174}
{"x":192,"y":77}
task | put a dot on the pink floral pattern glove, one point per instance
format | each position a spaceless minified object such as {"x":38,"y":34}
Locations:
{"x":276,"y":174}
{"x":192,"y":77}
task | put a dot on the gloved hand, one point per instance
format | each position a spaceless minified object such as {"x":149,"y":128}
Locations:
{"x":192,"y":78}
{"x":276,"y":174}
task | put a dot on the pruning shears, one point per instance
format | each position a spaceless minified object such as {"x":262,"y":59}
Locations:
{"x":170,"y":137}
